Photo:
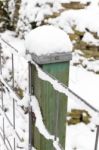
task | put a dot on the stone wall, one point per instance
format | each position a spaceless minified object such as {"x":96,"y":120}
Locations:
{"x":80,"y":44}
{"x":74,"y":5}
{"x":77,"y":116}
{"x":77,"y":36}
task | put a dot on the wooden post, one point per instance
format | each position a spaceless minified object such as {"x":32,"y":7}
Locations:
{"x":53,"y":104}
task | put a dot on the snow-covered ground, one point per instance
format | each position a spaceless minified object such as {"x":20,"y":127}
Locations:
{"x":79,"y":19}
{"x":85,"y":84}
{"x":83,"y":78}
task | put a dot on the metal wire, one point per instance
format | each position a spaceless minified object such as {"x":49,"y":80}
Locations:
{"x":3,"y":141}
{"x":3,"y":125}
{"x":9,"y":44}
{"x":13,"y":99}
{"x":2,"y":108}
{"x":30,"y":109}
{"x":10,"y":90}
{"x":7,"y":140}
{"x":10,"y":123}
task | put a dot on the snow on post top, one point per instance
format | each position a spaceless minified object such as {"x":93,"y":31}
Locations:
{"x":46,"y":40}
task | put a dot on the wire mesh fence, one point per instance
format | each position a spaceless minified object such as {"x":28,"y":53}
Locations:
{"x":3,"y":83}
{"x":2,"y":107}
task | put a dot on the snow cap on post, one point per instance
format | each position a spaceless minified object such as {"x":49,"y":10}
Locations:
{"x":48,"y":44}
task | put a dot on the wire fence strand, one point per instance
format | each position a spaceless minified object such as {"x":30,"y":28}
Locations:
{"x":14,"y":144}
{"x":3,"y":141}
{"x":7,"y":140}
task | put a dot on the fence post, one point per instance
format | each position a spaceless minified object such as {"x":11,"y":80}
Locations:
{"x":97,"y":137}
{"x":53,"y":104}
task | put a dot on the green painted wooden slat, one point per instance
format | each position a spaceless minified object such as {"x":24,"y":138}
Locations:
{"x":47,"y":98}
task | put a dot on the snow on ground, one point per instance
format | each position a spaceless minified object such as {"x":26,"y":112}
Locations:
{"x":85,"y":84}
{"x":80,"y":137}
{"x":89,"y":38}
{"x":79,"y":19}
{"x":92,"y":65}
{"x":32,"y":13}
{"x":89,"y":64}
